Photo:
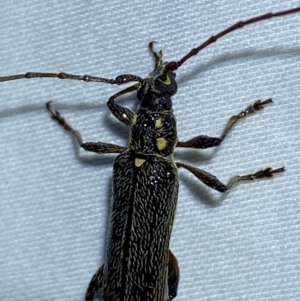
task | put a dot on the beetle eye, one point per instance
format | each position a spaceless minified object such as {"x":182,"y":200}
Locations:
{"x":165,"y":79}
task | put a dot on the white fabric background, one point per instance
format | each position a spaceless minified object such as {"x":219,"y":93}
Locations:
{"x":54,"y":204}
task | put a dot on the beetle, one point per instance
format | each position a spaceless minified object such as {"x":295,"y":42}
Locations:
{"x":145,"y":179}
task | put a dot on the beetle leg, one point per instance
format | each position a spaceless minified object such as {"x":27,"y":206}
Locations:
{"x":121,"y":113}
{"x":173,"y":276}
{"x":102,"y":147}
{"x":204,"y":141}
{"x":98,"y":147}
{"x":95,"y":284}
{"x":212,"y":181}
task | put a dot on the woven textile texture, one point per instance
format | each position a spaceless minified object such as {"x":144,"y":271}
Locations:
{"x":54,"y":200}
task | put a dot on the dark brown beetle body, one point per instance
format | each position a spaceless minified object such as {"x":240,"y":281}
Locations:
{"x":145,"y":191}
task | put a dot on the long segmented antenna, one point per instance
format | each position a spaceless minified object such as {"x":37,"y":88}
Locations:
{"x":119,"y":80}
{"x":172,"y":66}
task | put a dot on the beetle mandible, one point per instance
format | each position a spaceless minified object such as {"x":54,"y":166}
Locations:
{"x":138,"y":262}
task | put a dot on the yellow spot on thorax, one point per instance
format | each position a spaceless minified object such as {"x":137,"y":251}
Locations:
{"x":138,"y":162}
{"x":158,"y":123}
{"x":161,"y":143}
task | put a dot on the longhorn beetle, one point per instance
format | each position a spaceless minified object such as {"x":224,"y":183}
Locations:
{"x":138,"y":262}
